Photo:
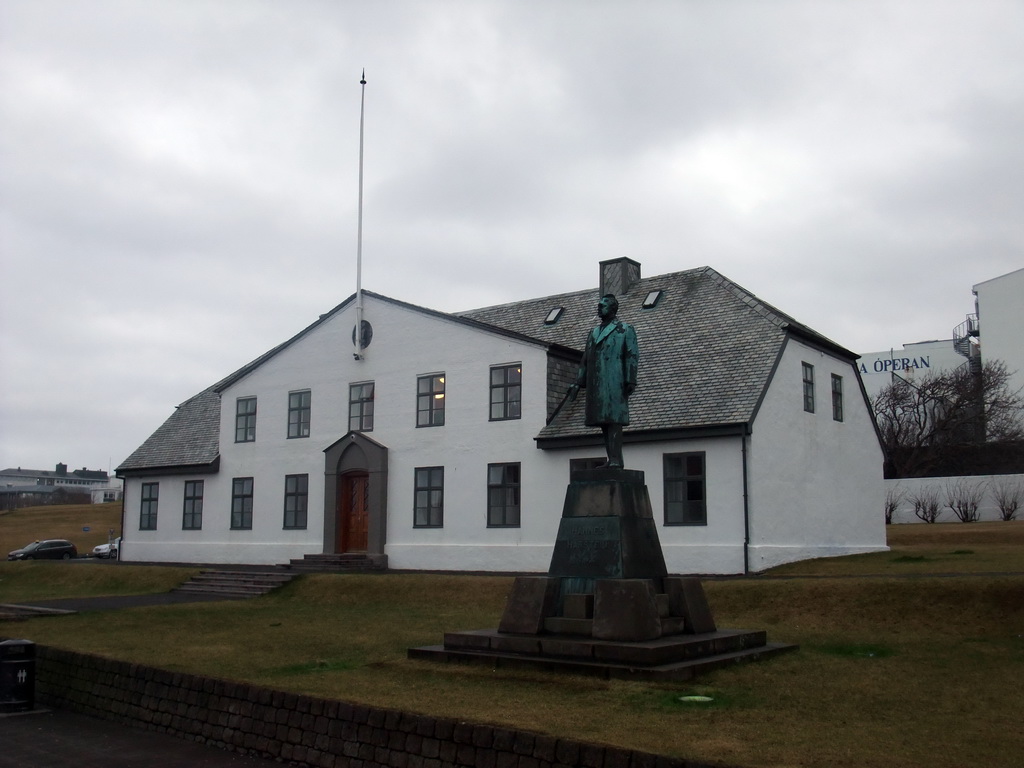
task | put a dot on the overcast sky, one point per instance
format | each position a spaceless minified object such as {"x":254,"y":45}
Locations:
{"x":178,"y":179}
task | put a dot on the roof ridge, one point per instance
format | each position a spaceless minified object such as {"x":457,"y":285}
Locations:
{"x":761,"y":307}
{"x":519,"y":302}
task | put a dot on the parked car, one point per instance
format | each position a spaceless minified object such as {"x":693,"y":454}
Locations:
{"x":48,"y":549}
{"x":107,"y":550}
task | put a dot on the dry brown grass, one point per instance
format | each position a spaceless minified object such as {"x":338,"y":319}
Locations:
{"x":921,"y":549}
{"x":22,"y":582}
{"x":23,"y":526}
{"x":892,"y":671}
{"x":956,"y":534}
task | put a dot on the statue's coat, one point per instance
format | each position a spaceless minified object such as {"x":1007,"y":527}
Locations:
{"x":608,"y":373}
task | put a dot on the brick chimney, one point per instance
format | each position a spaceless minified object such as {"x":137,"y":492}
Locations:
{"x":619,"y":275}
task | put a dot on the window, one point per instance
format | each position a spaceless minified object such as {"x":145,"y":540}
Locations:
{"x":651,"y":300}
{"x":429,"y":511}
{"x":553,"y":315}
{"x":808,"y":387}
{"x":503,"y":495}
{"x":684,"y":489}
{"x":506,"y":392}
{"x":245,"y":420}
{"x":360,"y":407}
{"x":582,"y":465}
{"x":241,"y":503}
{"x":147,"y":510}
{"x":430,"y":401}
{"x":298,"y":413}
{"x":837,"y":397}
{"x":296,"y":497}
{"x":192,"y":513}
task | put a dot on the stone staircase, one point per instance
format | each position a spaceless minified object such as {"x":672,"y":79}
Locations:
{"x":236,"y":583}
{"x":346,"y":563}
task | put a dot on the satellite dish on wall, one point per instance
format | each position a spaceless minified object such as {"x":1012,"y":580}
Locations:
{"x":365,"y":337}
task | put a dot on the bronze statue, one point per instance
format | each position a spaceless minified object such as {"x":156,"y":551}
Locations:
{"x":608,"y":374}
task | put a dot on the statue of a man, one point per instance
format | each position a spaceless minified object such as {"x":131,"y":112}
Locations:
{"x":608,"y":374}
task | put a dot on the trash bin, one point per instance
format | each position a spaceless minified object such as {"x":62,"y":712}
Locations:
{"x":17,"y":676}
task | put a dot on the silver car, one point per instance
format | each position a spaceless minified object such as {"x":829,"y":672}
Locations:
{"x":107,"y":550}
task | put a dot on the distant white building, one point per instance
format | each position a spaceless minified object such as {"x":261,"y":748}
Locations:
{"x":430,"y":449}
{"x":28,"y":484}
{"x":999,"y":303}
{"x":113,"y":491}
{"x":910,"y":362}
{"x":995,"y":331}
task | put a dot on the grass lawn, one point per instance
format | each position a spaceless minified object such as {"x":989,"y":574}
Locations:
{"x":23,"y":526}
{"x":892,"y":671}
{"x":939,"y":548}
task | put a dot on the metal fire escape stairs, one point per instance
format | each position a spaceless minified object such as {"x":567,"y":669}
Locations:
{"x":967,"y":342}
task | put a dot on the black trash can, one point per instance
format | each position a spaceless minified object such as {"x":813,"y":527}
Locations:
{"x":17,"y":676}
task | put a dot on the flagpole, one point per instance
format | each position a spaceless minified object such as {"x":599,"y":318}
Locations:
{"x":359,"y":229}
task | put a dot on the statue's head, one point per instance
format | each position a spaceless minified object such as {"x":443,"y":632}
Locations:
{"x":608,"y":306}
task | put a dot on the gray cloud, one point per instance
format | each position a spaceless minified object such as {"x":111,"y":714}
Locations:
{"x":179,"y":178}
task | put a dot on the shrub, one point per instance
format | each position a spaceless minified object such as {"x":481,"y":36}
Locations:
{"x":964,"y":498}
{"x":1008,"y":495}
{"x":926,"y":504}
{"x":894,"y":496}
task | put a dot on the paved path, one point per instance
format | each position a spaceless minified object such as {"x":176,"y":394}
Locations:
{"x":115,"y":602}
{"x":56,"y":739}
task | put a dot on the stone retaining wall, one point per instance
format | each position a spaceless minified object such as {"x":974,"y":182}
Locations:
{"x":303,"y":730}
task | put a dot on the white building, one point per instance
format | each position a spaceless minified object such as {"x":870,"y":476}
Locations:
{"x":431,"y":451}
{"x":109,"y":493}
{"x":1000,"y":314}
{"x":19,"y":485}
{"x":911,"y":362}
{"x":994,"y":332}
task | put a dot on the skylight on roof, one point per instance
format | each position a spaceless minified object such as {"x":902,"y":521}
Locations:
{"x":553,"y":315}
{"x":652,"y":299}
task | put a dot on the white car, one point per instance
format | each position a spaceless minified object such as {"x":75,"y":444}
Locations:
{"x":107,"y":550}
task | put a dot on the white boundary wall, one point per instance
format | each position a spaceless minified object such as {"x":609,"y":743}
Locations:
{"x":988,"y":510}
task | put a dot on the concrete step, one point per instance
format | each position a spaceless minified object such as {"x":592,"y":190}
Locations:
{"x":236,"y":583}
{"x":222,"y":591}
{"x":335,"y":563}
{"x":673,"y":671}
{"x":270,"y":579}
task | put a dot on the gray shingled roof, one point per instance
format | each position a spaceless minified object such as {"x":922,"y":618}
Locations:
{"x":190,"y":437}
{"x":707,"y":349}
{"x":706,"y":354}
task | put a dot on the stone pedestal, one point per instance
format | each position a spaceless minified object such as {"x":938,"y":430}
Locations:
{"x":607,"y":605}
{"x":607,"y":530}
{"x":607,"y":566}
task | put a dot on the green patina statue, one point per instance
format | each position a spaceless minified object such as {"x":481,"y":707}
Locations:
{"x":608,"y":374}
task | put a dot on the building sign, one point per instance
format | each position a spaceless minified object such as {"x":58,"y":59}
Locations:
{"x":888,"y":365}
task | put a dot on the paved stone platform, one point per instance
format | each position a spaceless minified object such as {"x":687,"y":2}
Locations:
{"x":680,"y":657}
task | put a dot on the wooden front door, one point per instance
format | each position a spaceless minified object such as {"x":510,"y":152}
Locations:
{"x":353,"y":512}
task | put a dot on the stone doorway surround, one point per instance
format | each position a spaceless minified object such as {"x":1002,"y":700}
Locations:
{"x":356,"y":453}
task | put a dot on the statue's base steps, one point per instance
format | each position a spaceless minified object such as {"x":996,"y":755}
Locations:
{"x":679,"y":657}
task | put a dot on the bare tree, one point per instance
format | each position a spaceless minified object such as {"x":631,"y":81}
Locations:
{"x":68,"y":496}
{"x":926,"y":504}
{"x":1008,"y":495}
{"x":894,"y":496}
{"x":964,"y":497}
{"x":923,"y":423}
